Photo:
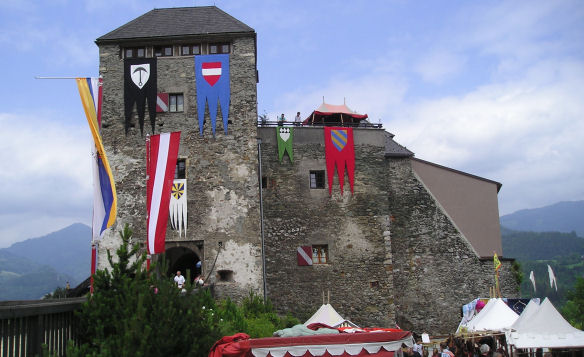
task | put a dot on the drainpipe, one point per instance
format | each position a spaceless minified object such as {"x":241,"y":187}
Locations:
{"x":262,"y":216}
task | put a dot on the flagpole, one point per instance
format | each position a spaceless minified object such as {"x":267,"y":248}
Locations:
{"x":148,"y":255}
{"x":45,"y":77}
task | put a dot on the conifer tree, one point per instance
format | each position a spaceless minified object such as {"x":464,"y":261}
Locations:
{"x":134,"y":313}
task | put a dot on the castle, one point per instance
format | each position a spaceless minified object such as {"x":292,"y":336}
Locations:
{"x":411,"y":244}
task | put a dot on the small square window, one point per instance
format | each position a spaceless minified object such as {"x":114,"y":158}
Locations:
{"x":181,"y":169}
{"x":317,"y":179}
{"x":320,"y":254}
{"x":141,"y":53}
{"x":219,"y":48}
{"x":175,"y":102}
{"x":129,"y":53}
{"x":163,"y":51}
{"x":196,"y":50}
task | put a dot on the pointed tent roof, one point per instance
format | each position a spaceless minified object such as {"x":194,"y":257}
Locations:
{"x":327,"y":315}
{"x":546,"y":328}
{"x":495,"y":316}
{"x":523,"y":320}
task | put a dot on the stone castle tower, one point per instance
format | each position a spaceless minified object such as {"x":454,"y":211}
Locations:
{"x":411,"y":245}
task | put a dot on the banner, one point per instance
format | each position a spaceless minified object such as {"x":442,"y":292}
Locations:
{"x":304,"y":255}
{"x":532,"y":278}
{"x":285,"y":136}
{"x":139,"y":86}
{"x":212,"y":81}
{"x":161,"y":102}
{"x":178,"y":206}
{"x":161,"y":151}
{"x":553,"y":281}
{"x":339,"y":151}
{"x":104,"y":188}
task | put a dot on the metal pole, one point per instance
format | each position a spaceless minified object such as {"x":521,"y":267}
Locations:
{"x":262,"y":216}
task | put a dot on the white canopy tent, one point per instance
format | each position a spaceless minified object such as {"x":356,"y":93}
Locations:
{"x":327,"y":315}
{"x":495,"y":316}
{"x":545,"y":327}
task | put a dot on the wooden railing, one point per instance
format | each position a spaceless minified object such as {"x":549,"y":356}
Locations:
{"x":267,"y":123}
{"x":25,"y":326}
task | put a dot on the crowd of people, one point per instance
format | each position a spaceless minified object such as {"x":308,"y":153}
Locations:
{"x":459,"y":347}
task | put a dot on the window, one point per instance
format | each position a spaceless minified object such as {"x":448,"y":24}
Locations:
{"x":135,"y":52}
{"x":163,"y":51}
{"x":225,"y":275}
{"x":187,"y":50}
{"x":215,"y":48}
{"x":181,"y":169}
{"x":176,"y":102}
{"x":317,"y":179}
{"x":320,"y":254}
{"x":264,"y":182}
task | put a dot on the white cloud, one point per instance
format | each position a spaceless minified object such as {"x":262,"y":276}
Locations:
{"x":45,"y":181}
{"x":439,"y":65}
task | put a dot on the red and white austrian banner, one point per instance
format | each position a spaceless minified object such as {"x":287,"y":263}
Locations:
{"x":162,"y":151}
{"x":304,"y":255}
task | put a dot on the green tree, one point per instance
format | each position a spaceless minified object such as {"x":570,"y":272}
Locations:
{"x":573,"y":310}
{"x":134,"y":313}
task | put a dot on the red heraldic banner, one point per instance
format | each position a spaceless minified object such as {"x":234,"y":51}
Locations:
{"x":339,"y":150}
{"x":162,"y":151}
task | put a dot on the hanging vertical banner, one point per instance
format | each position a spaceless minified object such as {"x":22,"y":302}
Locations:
{"x":552,"y":276}
{"x":285,"y":136}
{"x":104,"y":188}
{"x":178,"y":206}
{"x":162,"y":151}
{"x":339,"y":150}
{"x":212,"y":81}
{"x":139,"y":86}
{"x":532,"y":279}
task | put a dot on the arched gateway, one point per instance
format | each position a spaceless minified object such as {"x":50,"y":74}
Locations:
{"x":184,"y":256}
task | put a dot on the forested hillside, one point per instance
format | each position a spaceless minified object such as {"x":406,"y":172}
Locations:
{"x":564,"y":252}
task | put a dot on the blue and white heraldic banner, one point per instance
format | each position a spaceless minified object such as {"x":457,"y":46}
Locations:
{"x":212,"y":82}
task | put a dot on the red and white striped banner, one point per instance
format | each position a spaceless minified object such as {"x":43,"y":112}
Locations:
{"x":304,"y":255}
{"x":162,"y":151}
{"x":161,"y":102}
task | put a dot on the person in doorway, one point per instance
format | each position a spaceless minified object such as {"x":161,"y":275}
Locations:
{"x":179,"y":279}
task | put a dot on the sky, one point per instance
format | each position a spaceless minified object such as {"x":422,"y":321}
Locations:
{"x":492,"y":88}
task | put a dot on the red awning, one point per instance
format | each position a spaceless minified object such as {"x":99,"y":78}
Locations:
{"x":330,"y":113}
{"x":379,"y":344}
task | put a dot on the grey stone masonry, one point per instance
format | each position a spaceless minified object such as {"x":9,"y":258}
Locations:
{"x":353,"y":226}
{"x":435,"y":268}
{"x":222,"y":185}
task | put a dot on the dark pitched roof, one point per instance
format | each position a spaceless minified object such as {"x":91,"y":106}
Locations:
{"x":178,"y":21}
{"x":393,"y":149}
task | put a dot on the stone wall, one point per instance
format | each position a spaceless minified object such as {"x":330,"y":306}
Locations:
{"x":353,"y":226}
{"x":435,"y":268}
{"x":222,"y":185}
